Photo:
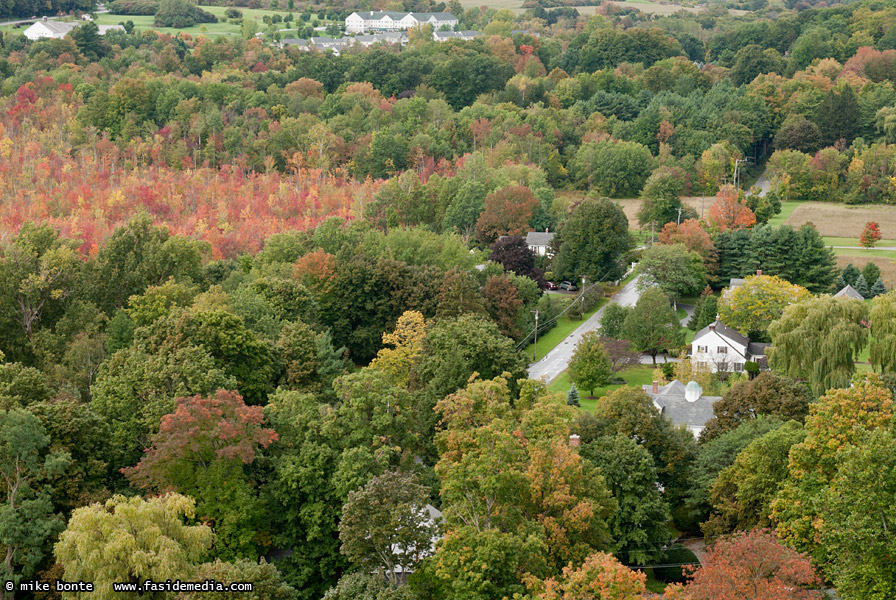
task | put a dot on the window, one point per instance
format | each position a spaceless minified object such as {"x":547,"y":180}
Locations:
{"x":738,"y":367}
{"x":722,"y":349}
{"x":702,"y":349}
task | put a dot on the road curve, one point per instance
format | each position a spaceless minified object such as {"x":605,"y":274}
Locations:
{"x":556,"y":361}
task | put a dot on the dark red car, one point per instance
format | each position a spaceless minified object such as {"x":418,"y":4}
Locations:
{"x":551,"y":285}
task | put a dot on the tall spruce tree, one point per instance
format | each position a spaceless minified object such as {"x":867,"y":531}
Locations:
{"x":862,"y":287}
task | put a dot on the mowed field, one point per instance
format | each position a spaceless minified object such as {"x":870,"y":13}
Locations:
{"x":222,"y":27}
{"x":844,"y":221}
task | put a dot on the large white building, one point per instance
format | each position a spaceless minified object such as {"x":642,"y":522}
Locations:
{"x":721,"y":348}
{"x":46,"y":28}
{"x":359,"y":22}
{"x":49,"y":28}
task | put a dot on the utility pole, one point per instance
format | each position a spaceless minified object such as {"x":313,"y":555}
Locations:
{"x":535,"y":344}
{"x":582,"y":298}
{"x":678,"y":222}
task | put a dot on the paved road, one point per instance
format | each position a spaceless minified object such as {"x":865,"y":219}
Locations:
{"x":556,"y":361}
{"x":763,"y":183}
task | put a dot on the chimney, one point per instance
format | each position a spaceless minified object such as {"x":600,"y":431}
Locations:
{"x":44,"y":19}
{"x":758,"y":272}
{"x":656,"y":387}
{"x":575,"y":441}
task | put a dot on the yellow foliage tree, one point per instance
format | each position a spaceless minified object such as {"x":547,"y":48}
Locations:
{"x":407,"y":346}
{"x":760,"y":300}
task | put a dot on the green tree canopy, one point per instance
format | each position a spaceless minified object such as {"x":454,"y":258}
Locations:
{"x":652,"y":326}
{"x":590,"y":366}
{"x":592,"y":241}
{"x":819,"y":340}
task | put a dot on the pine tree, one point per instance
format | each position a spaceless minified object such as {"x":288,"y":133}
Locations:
{"x":878,"y":288}
{"x":572,"y":397}
{"x":851,"y":274}
{"x":841,"y":283}
{"x":862,"y":286}
{"x":871,"y":272}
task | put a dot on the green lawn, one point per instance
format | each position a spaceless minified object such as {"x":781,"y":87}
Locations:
{"x":787,"y":209}
{"x":634,"y":377}
{"x":222,"y":27}
{"x":564,"y":327}
{"x":844,"y":241}
{"x":857,"y":253}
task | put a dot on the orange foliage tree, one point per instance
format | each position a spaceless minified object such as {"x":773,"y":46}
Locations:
{"x":751,"y":565}
{"x":508,"y":211}
{"x":729,"y":212}
{"x":870,"y":235}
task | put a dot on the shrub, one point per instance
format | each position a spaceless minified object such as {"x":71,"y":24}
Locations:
{"x":133,"y":7}
{"x":232,"y":13}
{"x":180,"y":14}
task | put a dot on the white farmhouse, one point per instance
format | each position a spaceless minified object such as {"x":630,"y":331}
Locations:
{"x":721,"y":348}
{"x":540,"y":242}
{"x":47,"y":28}
{"x":359,"y":22}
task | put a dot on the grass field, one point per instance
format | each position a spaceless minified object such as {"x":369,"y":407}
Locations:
{"x":564,"y":327}
{"x":850,"y":241}
{"x":841,"y":220}
{"x":222,"y":27}
{"x":634,"y":377}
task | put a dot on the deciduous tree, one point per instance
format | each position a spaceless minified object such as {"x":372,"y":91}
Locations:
{"x":385,"y":526}
{"x":592,"y":241}
{"x":819,"y":340}
{"x":652,"y":326}
{"x":101,"y":541}
{"x":590,"y":365}
{"x":759,"y":301}
{"x":674,"y":269}
{"x":729,"y":211}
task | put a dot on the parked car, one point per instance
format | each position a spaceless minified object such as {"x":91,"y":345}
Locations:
{"x":568,"y":285}
{"x":551,"y":285}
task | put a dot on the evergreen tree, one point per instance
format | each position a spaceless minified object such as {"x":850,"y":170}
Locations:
{"x":840,"y":284}
{"x":862,"y":286}
{"x":838,"y":116}
{"x":871,"y":272}
{"x":572,"y":397}
{"x":708,"y":312}
{"x":878,"y":288}
{"x":851,"y":274}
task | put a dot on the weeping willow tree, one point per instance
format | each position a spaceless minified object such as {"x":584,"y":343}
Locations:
{"x":819,"y":340}
{"x":883,"y":333}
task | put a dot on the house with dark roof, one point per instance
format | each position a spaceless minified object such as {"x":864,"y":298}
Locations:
{"x":683,"y":404}
{"x":849,"y":292}
{"x":540,"y":242}
{"x":724,"y":349}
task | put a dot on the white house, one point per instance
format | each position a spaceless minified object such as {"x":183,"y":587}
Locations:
{"x":47,"y":28}
{"x":444,"y":36}
{"x":683,"y":404}
{"x":359,"y":22}
{"x":723,"y":349}
{"x":392,"y":37}
{"x":540,"y":242}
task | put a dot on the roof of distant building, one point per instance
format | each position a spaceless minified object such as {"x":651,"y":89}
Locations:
{"x":539,"y":238}
{"x":849,"y":292}
{"x":683,"y":405}
{"x":61,"y":27}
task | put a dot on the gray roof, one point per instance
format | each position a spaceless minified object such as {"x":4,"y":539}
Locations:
{"x":849,"y":292}
{"x":672,"y":403}
{"x":724,"y":331}
{"x":735,"y":282}
{"x":60,"y":27}
{"x":539,"y":238}
{"x":376,"y":15}
{"x":756,"y":349}
{"x":439,"y":16}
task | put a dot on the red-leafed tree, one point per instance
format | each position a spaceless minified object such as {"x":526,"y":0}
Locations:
{"x":729,"y":212}
{"x":870,"y":235}
{"x":507,"y":212}
{"x":201,"y":450}
{"x":751,"y":565}
{"x":316,"y":270}
{"x":691,"y":234}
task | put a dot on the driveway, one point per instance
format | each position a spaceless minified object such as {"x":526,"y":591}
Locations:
{"x":556,"y":361}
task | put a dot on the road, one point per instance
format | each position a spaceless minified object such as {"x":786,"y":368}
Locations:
{"x":556,"y":361}
{"x":763,"y":184}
